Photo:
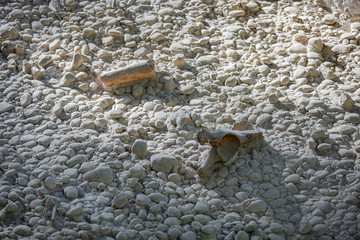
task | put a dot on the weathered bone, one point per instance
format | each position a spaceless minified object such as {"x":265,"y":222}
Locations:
{"x":225,"y":145}
{"x":128,"y":74}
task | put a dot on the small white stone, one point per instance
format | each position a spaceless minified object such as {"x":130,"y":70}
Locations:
{"x":329,"y":19}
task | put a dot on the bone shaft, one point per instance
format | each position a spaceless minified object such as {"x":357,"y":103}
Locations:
{"x":128,"y":74}
{"x":207,"y":166}
{"x":246,"y":136}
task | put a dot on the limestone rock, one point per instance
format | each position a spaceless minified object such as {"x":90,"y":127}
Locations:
{"x":22,"y":230}
{"x":71,"y":192}
{"x":342,"y":48}
{"x":207,"y":59}
{"x":120,"y":200}
{"x":163,"y":162}
{"x":8,"y":32}
{"x":100,"y":174}
{"x":5,"y":107}
{"x":139,"y":148}
{"x":256,"y":206}
{"x":329,"y":19}
{"x":77,"y":61}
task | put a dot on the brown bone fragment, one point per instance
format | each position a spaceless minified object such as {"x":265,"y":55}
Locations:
{"x":128,"y":74}
{"x":225,"y":145}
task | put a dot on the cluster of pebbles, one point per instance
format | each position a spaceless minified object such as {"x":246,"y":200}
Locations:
{"x":78,"y":162}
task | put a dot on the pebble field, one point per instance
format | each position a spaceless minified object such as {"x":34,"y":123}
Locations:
{"x":81,"y":162}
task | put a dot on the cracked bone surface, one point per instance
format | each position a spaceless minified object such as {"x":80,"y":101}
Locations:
{"x":128,"y":74}
{"x":225,"y":145}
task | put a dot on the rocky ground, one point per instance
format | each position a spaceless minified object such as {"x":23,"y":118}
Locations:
{"x":78,"y":162}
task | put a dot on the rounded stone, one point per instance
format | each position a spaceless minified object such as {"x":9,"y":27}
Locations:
{"x":142,"y":200}
{"x":71,"y":192}
{"x":100,"y":174}
{"x":163,"y":162}
{"x":201,"y":207}
{"x":50,"y":183}
{"x":139,"y":148}
{"x":22,"y":230}
{"x":137,"y":91}
{"x":175,"y":178}
{"x":242,"y":235}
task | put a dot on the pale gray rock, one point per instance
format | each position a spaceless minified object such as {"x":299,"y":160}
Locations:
{"x":189,"y":235}
{"x":68,"y":79}
{"x":45,"y":141}
{"x":300,"y":73}
{"x":351,"y":200}
{"x":293,"y":178}
{"x":71,"y":192}
{"x":175,"y":178}
{"x":173,"y":212}
{"x":139,"y":148}
{"x":208,"y":229}
{"x":252,"y":7}
{"x":328,"y":73}
{"x":157,"y":37}
{"x":324,"y":148}
{"x":55,"y":45}
{"x":86,"y":166}
{"x":78,"y":159}
{"x":75,"y":211}
{"x":256,"y":206}
{"x":242,"y":235}
{"x":274,"y":236}
{"x":89,"y":33}
{"x":143,"y":200}
{"x":22,"y":230}
{"x":353,"y":118}
{"x":186,"y":89}
{"x":158,"y":197}
{"x":25,"y":99}
{"x":342,"y":49}
{"x":169,"y":84}
{"x":346,"y":153}
{"x":263,"y":120}
{"x":137,"y":91}
{"x":45,"y":60}
{"x":237,"y":13}
{"x":271,"y":194}
{"x":77,"y":61}
{"x":120,"y":200}
{"x":8,"y":32}
{"x":207,"y":59}
{"x":251,"y":226}
{"x":346,"y":102}
{"x":5,"y":107}
{"x":171,"y":221}
{"x":137,"y":171}
{"x":164,"y":162}
{"x":179,"y":60}
{"x":201,"y":207}
{"x":174,"y":233}
{"x":319,"y":229}
{"x":50,"y":183}
{"x":305,"y":226}
{"x":59,"y":112}
{"x":329,"y":19}
{"x":121,"y":236}
{"x":323,"y":206}
{"x":100,"y":174}
{"x":231,"y":82}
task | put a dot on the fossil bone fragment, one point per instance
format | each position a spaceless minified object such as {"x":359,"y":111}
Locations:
{"x":225,"y":145}
{"x":128,"y":74}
